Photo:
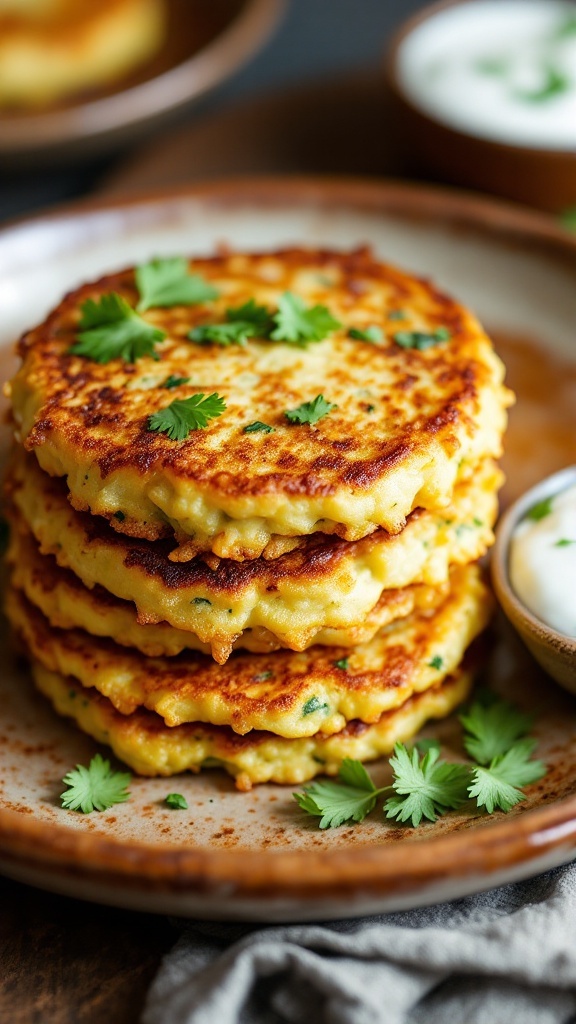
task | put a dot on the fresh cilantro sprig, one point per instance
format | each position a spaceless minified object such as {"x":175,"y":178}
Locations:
{"x":95,"y":788}
{"x":184,"y":415}
{"x":492,"y":727}
{"x":425,"y":787}
{"x":242,"y":322}
{"x":299,"y":324}
{"x":168,"y":282}
{"x":110,"y":329}
{"x":495,"y":737}
{"x":349,"y":800}
{"x":497,"y":786}
{"x":310,"y":412}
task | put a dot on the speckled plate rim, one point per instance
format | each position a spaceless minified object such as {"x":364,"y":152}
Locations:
{"x":471,"y":859}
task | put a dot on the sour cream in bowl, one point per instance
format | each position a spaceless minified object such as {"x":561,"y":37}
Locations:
{"x":534,"y":572}
{"x":485,"y":92}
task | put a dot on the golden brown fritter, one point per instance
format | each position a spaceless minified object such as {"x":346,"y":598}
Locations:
{"x":290,"y":694}
{"x":405,"y":423}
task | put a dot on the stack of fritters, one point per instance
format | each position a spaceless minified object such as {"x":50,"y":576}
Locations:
{"x":291,"y":582}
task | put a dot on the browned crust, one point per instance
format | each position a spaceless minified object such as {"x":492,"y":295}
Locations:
{"x":315,"y":557}
{"x":106,"y":429}
{"x":273,"y":684}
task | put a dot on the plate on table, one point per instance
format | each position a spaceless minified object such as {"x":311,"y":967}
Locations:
{"x":256,"y":856}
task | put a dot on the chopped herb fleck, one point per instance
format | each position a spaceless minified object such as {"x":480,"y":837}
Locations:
{"x":420,"y":340}
{"x":263,"y":676}
{"x":119,"y":516}
{"x":436,"y":662}
{"x":174,"y":382}
{"x":342,"y":663}
{"x":564,"y":543}
{"x":201,"y":600}
{"x":258,"y":427}
{"x":372,"y":334}
{"x":540,"y":510}
{"x":312,"y":705}
{"x":176,"y":801}
{"x":555,"y":83}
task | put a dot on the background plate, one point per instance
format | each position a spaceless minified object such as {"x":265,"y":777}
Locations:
{"x":204,"y":45}
{"x":255,"y":856}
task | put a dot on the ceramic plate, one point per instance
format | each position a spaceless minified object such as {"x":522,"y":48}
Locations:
{"x":255,"y":856}
{"x":205,"y":44}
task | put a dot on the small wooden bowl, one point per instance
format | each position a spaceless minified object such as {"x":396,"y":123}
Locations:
{"x":540,"y":177}
{"x":554,"y":651}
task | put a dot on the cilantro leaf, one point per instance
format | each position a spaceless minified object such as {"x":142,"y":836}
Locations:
{"x":420,"y":340}
{"x":313,"y":704}
{"x":427,"y":788}
{"x":174,"y":382}
{"x":491,"y":729}
{"x":540,"y":510}
{"x":310,"y":412}
{"x":258,"y":426}
{"x":168,"y":282}
{"x":372,"y":334}
{"x":183,"y":415}
{"x":250,"y":312}
{"x":95,"y":788}
{"x":176,"y":801}
{"x":236,"y":333}
{"x":298,"y":324}
{"x":110,"y":329}
{"x":497,"y":785}
{"x":351,"y":799}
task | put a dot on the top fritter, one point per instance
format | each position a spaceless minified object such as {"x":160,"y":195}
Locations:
{"x":239,"y":401}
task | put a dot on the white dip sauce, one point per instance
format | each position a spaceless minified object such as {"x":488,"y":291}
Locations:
{"x":543,"y":561}
{"x":498,"y":69}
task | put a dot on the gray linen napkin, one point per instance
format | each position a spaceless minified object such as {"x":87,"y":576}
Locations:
{"x":504,"y":957}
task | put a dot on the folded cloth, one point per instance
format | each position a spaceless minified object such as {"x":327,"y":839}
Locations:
{"x":502,"y":957}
